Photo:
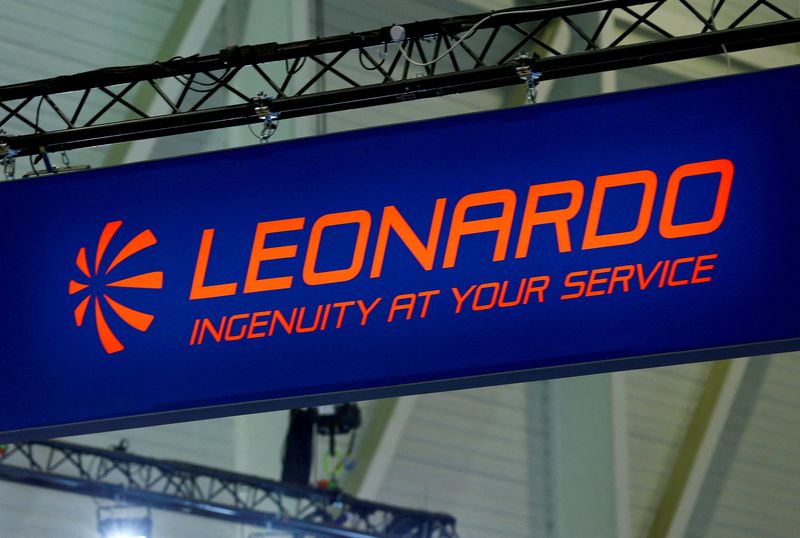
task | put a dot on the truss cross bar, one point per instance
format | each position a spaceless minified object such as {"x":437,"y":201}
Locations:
{"x":13,"y":113}
{"x":221,"y":82}
{"x":527,"y":39}
{"x":600,"y":26}
{"x":229,"y":496}
{"x":700,"y":17}
{"x":456,"y":55}
{"x":776,"y":9}
{"x":378,"y":66}
{"x":639,"y":20}
{"x":452,"y":56}
{"x":463,"y":45}
{"x":115,"y":98}
{"x":745,"y":14}
{"x":578,"y":30}
{"x":647,"y":22}
{"x":58,"y":111}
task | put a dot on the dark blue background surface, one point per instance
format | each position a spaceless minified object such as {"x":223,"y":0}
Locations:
{"x":54,"y":374}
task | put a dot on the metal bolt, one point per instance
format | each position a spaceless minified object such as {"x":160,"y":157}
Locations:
{"x":262,"y":112}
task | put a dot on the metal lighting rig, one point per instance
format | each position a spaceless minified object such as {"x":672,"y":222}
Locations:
{"x":208,"y":492}
{"x":391,"y":64}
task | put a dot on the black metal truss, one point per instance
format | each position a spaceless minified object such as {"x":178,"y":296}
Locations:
{"x":370,"y":68}
{"x":204,"y":491}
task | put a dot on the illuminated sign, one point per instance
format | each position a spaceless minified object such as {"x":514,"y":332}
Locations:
{"x":133,"y":318}
{"x":622,"y":231}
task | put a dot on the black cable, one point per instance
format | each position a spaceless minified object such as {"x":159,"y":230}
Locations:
{"x":190,"y":83}
{"x":364,"y":66}
{"x":298,"y":453}
{"x":269,"y":130}
{"x":36,"y":123}
{"x":294,"y":71}
{"x":352,"y":443}
{"x":33,"y":168}
{"x":250,"y":128}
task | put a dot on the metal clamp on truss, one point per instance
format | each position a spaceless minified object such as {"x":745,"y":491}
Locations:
{"x":49,"y":167}
{"x":528,"y":74}
{"x":455,"y":55}
{"x":269,"y":118}
{"x":7,"y":158}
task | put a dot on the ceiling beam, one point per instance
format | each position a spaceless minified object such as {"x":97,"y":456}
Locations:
{"x":185,"y":37}
{"x":697,"y":449}
{"x":380,"y":453}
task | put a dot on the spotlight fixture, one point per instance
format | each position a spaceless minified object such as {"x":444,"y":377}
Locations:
{"x":123,"y":521}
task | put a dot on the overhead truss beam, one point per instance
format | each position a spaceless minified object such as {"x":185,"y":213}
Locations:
{"x":214,"y":493}
{"x":378,"y":67}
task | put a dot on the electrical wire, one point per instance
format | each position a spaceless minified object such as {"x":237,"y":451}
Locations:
{"x":250,"y":128}
{"x":364,"y":66}
{"x":36,"y":123}
{"x":295,"y":70}
{"x":713,"y":26}
{"x":269,"y":129}
{"x":210,"y":86}
{"x":314,"y":463}
{"x":481,"y":22}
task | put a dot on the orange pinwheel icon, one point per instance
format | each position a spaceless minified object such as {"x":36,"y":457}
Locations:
{"x":134,"y":318}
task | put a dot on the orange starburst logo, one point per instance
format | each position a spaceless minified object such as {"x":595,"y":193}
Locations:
{"x":134,"y":318}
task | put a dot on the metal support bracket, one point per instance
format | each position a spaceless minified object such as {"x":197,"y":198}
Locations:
{"x":268,"y":117}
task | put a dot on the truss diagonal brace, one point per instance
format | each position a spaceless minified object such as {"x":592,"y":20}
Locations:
{"x":239,"y":56}
{"x":551,"y":67}
{"x":175,"y":504}
{"x":213,"y":493}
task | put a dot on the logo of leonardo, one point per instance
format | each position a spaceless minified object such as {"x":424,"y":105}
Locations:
{"x":134,"y":318}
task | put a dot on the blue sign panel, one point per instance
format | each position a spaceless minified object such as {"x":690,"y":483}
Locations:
{"x":621,"y":231}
